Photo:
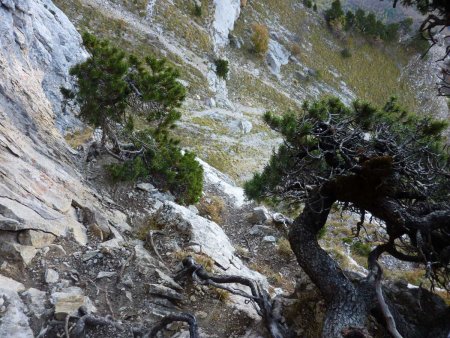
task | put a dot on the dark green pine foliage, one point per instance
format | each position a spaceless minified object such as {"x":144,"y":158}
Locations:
{"x":335,"y":12}
{"x":302,"y":162}
{"x":112,"y":89}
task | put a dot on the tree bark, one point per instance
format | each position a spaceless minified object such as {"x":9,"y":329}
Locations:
{"x":347,"y":310}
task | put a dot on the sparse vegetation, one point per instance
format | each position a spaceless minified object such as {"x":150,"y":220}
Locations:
{"x":260,"y":38}
{"x":221,"y":68}
{"x":284,"y":248}
{"x":214,"y":207}
{"x":79,"y":137}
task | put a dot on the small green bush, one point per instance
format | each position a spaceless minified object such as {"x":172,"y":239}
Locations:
{"x":345,"y":53}
{"x":221,"y":68}
{"x":361,"y":249}
{"x":197,"y":10}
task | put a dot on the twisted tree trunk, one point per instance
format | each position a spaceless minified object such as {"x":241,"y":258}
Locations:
{"x":347,"y":309}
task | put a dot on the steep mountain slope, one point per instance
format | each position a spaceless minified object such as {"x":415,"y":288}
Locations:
{"x":222,"y":117}
{"x":68,"y":238}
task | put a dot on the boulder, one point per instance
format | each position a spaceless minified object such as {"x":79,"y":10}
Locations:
{"x":14,"y":321}
{"x":145,"y":262}
{"x":277,"y":56}
{"x":167,"y":280}
{"x":68,"y":301}
{"x":260,"y":215}
{"x":37,"y":239}
{"x":225,"y":15}
{"x":165,"y":292}
{"x":206,"y":237}
{"x":245,"y":126}
{"x":260,"y":230}
{"x":279,"y":218}
{"x":35,"y":300}
{"x":17,"y":252}
{"x":94,"y":221}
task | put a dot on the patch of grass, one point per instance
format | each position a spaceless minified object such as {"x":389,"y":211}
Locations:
{"x":206,"y":261}
{"x":221,"y":294}
{"x":414,"y":276}
{"x":137,"y":6}
{"x":183,"y":27}
{"x":214,"y":208}
{"x":284,"y":248}
{"x":251,"y":88}
{"x":273,"y":277}
{"x":372,"y":71}
{"x":79,"y":137}
{"x":361,"y":249}
{"x":340,"y":257}
{"x":142,"y":231}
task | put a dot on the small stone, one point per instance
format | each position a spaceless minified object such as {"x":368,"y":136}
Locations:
{"x":89,"y":255}
{"x":51,"y":276}
{"x":269,"y":239}
{"x":128,"y":281}
{"x":129,"y":295}
{"x":168,"y":281}
{"x":165,"y":292}
{"x":148,"y":187}
{"x":259,"y":215}
{"x":193,"y":298}
{"x":259,"y":229}
{"x":105,"y":274}
{"x":201,"y":314}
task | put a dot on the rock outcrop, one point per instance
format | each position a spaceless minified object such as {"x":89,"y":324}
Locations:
{"x":38,"y":182}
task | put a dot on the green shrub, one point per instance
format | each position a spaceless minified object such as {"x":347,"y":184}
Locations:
{"x":361,"y":249}
{"x":127,"y":171}
{"x":221,"y":68}
{"x":345,"y":53}
{"x":111,"y":89}
{"x":197,"y":10}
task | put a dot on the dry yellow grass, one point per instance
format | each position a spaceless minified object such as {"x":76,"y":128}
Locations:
{"x":260,"y":38}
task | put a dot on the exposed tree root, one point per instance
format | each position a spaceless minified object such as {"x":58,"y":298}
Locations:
{"x":87,"y":319}
{"x":175,"y":317}
{"x":376,"y":272}
{"x":267,"y":308}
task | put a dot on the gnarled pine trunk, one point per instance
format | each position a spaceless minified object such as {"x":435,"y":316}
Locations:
{"x":347,"y":309}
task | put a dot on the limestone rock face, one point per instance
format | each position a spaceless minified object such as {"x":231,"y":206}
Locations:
{"x":208,"y":238}
{"x":38,"y":182}
{"x":277,"y":56}
{"x":14,"y":322}
{"x":226,"y":13}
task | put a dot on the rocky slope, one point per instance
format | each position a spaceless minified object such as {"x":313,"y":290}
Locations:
{"x":222,"y":118}
{"x":68,"y":238}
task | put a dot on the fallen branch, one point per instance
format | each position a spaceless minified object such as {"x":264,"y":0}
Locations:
{"x":266,"y":307}
{"x":87,"y":319}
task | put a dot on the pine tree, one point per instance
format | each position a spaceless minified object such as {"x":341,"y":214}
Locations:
{"x":112,"y":89}
{"x":386,"y":162}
